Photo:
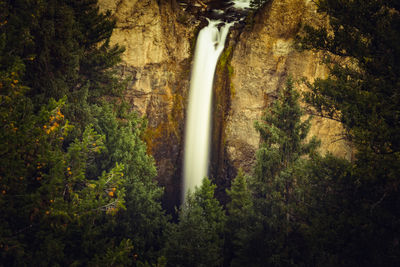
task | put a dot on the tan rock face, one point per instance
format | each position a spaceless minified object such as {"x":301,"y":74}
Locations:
{"x":262,"y":61}
{"x":157,"y":36}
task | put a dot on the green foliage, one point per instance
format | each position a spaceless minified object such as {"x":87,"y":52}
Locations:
{"x":278,"y":188}
{"x":283,"y":144}
{"x":77,"y":185}
{"x":197,"y":240}
{"x":362,"y":92}
{"x":118,"y":257}
{"x":240,"y":196}
{"x":240,"y":220}
{"x":66,"y":52}
{"x":76,"y":182}
{"x":143,"y":219}
{"x":332,"y":224}
{"x":46,"y":198}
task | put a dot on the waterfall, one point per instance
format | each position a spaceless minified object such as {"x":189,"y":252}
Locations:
{"x":209,"y":46}
{"x":210,"y":43}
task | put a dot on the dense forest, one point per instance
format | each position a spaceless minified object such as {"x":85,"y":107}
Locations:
{"x":77,"y":184}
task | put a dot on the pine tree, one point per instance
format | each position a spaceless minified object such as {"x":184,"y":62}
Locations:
{"x":144,"y":219}
{"x":80,"y":194}
{"x":362,"y":92}
{"x":197,"y":240}
{"x":66,"y":50}
{"x":332,"y":201}
{"x":240,"y":220}
{"x":278,"y":184}
{"x":283,"y":147}
{"x":47,"y":202}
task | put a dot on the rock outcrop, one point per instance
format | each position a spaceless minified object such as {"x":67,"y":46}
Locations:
{"x":159,"y":38}
{"x":263,"y":59}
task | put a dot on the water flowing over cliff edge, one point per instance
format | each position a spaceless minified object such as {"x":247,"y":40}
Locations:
{"x":210,"y":43}
{"x":159,"y":37}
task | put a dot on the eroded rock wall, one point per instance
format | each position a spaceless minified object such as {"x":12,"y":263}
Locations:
{"x":263,"y":59}
{"x":157,"y":36}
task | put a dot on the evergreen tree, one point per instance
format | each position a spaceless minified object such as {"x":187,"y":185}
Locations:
{"x":71,"y":195}
{"x":197,"y":240}
{"x":278,"y":185}
{"x":362,"y":92}
{"x":143,"y":220}
{"x":332,"y":201}
{"x":240,"y":220}
{"x":66,"y":52}
{"x":47,"y":202}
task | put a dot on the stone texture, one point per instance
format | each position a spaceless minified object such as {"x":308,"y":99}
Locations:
{"x":262,"y":61}
{"x":157,"y":36}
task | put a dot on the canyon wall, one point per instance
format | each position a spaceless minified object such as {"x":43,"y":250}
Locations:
{"x":263,"y":59}
{"x":159,"y":39}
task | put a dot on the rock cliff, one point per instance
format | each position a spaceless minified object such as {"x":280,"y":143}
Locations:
{"x":262,"y":60}
{"x":159,"y":38}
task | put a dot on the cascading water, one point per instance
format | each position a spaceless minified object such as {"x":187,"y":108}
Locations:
{"x":210,"y":44}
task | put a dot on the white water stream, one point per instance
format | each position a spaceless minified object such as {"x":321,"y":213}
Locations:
{"x":210,"y":43}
